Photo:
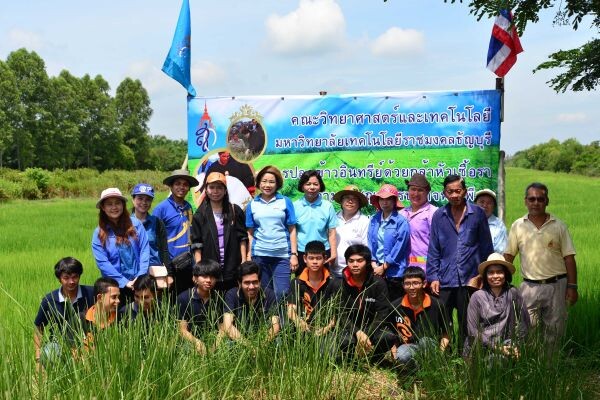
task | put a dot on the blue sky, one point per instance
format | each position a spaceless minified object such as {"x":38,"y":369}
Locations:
{"x":286,"y":47}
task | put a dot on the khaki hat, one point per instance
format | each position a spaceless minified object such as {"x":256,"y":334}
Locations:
{"x":216,"y":177}
{"x":384,"y":192}
{"x":351,"y":190}
{"x":108,"y":193}
{"x":183,"y":174}
{"x":496,"y":259}
{"x":418,"y":180}
{"x":487,"y":192}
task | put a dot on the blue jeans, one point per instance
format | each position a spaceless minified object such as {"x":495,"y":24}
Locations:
{"x":406,"y":353}
{"x":275,"y":274}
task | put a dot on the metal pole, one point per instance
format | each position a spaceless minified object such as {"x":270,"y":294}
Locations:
{"x":501,"y":187}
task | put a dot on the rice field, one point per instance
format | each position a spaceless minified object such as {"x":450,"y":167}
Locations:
{"x":134,"y":365}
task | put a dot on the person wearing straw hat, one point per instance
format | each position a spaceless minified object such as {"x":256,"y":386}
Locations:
{"x":486,"y":199}
{"x":176,"y":213}
{"x":353,"y":226}
{"x":497,"y":317}
{"x":419,"y":215}
{"x":389,"y":239}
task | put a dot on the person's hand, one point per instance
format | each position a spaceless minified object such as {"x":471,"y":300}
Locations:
{"x":293,"y":263}
{"x":379,"y":271}
{"x":200,"y":348}
{"x":363,"y":345}
{"x":170,"y":281}
{"x":129,"y":285}
{"x":511,"y":351}
{"x":435,"y":287}
{"x":303,"y":326}
{"x":571,"y":296}
{"x":331,"y":260}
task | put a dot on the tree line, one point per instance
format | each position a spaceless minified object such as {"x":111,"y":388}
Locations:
{"x":568,"y":156}
{"x":66,"y":122}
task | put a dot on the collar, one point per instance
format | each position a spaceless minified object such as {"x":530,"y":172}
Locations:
{"x":550,"y":218}
{"x":425,"y":207}
{"x":353,"y":218}
{"x":90,"y":315}
{"x":278,"y":196}
{"x":416,"y":311}
{"x":315,"y":203}
{"x":348,"y":278}
{"x":61,"y":298}
{"x":304,"y":278}
{"x":180,"y":207}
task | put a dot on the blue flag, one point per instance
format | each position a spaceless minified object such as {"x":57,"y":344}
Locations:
{"x":177,"y":63}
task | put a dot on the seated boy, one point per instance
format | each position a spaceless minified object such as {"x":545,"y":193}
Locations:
{"x":418,"y":319}
{"x":311,"y":290}
{"x":60,"y":310}
{"x":201,"y":307}
{"x":365,"y":306}
{"x":104,"y":311}
{"x":145,"y":299}
{"x":248,"y":306}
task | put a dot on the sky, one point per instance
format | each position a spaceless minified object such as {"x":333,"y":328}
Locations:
{"x":287,"y":47}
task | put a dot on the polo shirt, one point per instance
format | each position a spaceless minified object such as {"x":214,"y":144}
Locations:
{"x":249,"y":317}
{"x":307,"y":297}
{"x":177,"y":219}
{"x":348,"y":232}
{"x":60,"y":313}
{"x":314,"y":221}
{"x":498,"y":232}
{"x":420,"y":230}
{"x":413,"y":324}
{"x":542,"y":250}
{"x":199,"y":315}
{"x":271,"y":221}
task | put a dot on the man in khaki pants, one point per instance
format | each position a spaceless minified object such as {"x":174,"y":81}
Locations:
{"x":547,"y":263}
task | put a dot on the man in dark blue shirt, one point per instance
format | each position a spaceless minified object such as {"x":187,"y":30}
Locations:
{"x":460,"y":240}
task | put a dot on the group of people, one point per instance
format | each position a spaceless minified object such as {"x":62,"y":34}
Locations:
{"x":379,"y":285}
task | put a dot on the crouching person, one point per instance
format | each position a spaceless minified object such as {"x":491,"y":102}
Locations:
{"x":247,"y":307}
{"x":200,"y":308}
{"x":418,"y":320}
{"x":145,"y":299}
{"x":364,"y":306}
{"x":104,"y":311}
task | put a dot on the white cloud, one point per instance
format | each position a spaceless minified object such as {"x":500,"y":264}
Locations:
{"x":397,"y":42}
{"x":572,"y":117}
{"x":21,"y":38}
{"x":316,"y":26}
{"x":206,"y":73}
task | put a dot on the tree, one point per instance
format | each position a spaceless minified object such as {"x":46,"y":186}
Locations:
{"x":10,"y":109}
{"x":582,"y":64}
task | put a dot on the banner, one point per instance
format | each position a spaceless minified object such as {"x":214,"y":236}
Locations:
{"x":362,"y":139}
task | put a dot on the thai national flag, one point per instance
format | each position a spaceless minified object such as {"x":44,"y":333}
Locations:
{"x":504,"y":45}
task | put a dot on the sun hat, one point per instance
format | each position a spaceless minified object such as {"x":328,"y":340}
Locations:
{"x":487,"y":192}
{"x":354,"y":191}
{"x":110,"y":192}
{"x":496,"y":259}
{"x":418,"y":180}
{"x":183,"y":174}
{"x":384,"y":192}
{"x":216,"y":177}
{"x":143,"y":188}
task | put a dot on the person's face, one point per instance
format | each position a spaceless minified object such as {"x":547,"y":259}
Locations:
{"x":223,"y":158}
{"x":314,"y":262}
{"x":69,"y":282}
{"x":180,"y":188}
{"x":357,"y":265}
{"x":113,"y":208}
{"x":205,"y":283}
{"x":413,"y":287}
{"x":486,"y":203}
{"x":417,"y":196}
{"x":388,"y":204}
{"x":144,"y":299}
{"x":268,"y":184}
{"x":311,"y":188}
{"x":109,"y":301}
{"x":455,"y":193}
{"x":215,"y":191}
{"x":495,"y":276}
{"x":536,"y":201}
{"x":250,"y":286}
{"x":142,"y":203}
{"x":350,"y":204}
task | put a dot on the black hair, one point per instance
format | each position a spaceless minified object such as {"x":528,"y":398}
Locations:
{"x":207,"y":267}
{"x":453,"y":178}
{"x":307,"y":175}
{"x":537,"y":185}
{"x":248,"y":268}
{"x":68,"y":265}
{"x":358,"y":249}
{"x":270,"y":169}
{"x":315,"y":247}
{"x":102,"y":285}
{"x":414,"y":272}
{"x":507,"y":277}
{"x":226,"y":206}
{"x":144,"y":282}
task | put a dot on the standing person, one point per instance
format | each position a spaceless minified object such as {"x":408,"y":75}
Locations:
{"x":419,"y":215}
{"x":176,"y":213}
{"x":59,"y":310}
{"x":460,"y":241}
{"x":143,"y":195}
{"x":486,"y":199}
{"x":389,"y":239}
{"x":316,"y":217}
{"x":119,"y":243}
{"x":547,"y":262}
{"x":219,"y":232}
{"x":271,"y":224}
{"x":353,"y":225}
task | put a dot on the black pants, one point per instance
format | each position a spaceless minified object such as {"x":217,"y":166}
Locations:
{"x":457,"y":298}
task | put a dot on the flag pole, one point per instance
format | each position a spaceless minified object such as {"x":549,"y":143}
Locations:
{"x":501,"y":172}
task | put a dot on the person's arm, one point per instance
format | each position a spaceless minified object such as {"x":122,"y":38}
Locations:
{"x":250,"y":225}
{"x":196,"y":235}
{"x":501,"y":239}
{"x":434,"y":255}
{"x":240,"y":231}
{"x":144,"y":250}
{"x":332,"y":239}
{"x":571,"y":295}
{"x":230,"y":329}
{"x":294,"y":247}
{"x":472,"y":326}
{"x":187,"y":335}
{"x":163,"y":247}
{"x":101,"y":255}
{"x":401,"y":245}
{"x":38,"y":334}
{"x":486,"y":246}
{"x":275,"y":327}
{"x":293,"y":316}
{"x":250,"y":241}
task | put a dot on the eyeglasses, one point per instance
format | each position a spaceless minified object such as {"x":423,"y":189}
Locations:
{"x":412,"y":284}
{"x":533,"y":199}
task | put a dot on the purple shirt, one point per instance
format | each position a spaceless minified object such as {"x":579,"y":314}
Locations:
{"x":420,"y":230}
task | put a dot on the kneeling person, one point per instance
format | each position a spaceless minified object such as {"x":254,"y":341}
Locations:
{"x":104,"y":311}
{"x":145,"y":299}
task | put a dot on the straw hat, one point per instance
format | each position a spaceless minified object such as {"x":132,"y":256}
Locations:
{"x":354,"y":191}
{"x":183,"y":174}
{"x":496,"y":259}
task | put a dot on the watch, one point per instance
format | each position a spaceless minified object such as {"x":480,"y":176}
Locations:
{"x":572,"y":286}
{"x":294,"y":254}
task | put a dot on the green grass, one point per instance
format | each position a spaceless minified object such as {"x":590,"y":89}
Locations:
{"x":35,"y":234}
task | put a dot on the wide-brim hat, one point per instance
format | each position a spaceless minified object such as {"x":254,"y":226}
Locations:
{"x":384,"y":192}
{"x":181,"y":174}
{"x":418,"y":180}
{"x":108,"y":193}
{"x":496,"y":259}
{"x":216,"y":177}
{"x":487,"y":192}
{"x":354,"y":191}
